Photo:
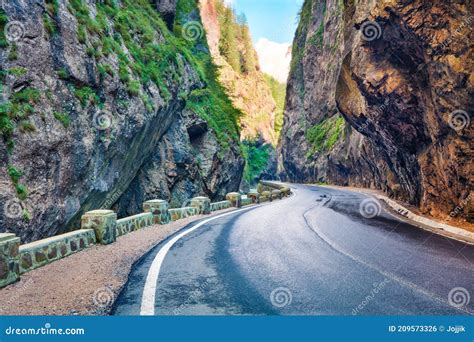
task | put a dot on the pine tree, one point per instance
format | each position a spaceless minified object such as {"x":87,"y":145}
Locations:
{"x":228,"y":40}
{"x":249,"y":63}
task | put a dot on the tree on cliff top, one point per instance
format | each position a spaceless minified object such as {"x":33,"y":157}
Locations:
{"x":228,"y":42}
{"x":249,"y":59}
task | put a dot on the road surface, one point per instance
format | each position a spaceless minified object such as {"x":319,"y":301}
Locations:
{"x":319,"y":252}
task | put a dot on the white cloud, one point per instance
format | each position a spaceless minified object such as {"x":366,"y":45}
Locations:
{"x":274,"y":58}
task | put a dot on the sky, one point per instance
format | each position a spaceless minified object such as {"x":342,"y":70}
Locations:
{"x":273,"y":24}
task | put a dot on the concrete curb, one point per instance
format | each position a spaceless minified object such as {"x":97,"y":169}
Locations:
{"x":424,"y":222}
{"x":401,"y":210}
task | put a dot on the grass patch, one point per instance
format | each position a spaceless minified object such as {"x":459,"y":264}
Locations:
{"x":279,"y":95}
{"x":16,"y":112}
{"x":86,"y":96}
{"x":27,"y":126}
{"x":3,"y":23}
{"x":155,"y":55}
{"x":21,"y":191}
{"x":318,"y":38}
{"x":63,"y":118}
{"x":15,"y":175}
{"x":256,"y":159}
{"x":323,"y":136}
{"x":17,"y":71}
{"x":211,"y":103}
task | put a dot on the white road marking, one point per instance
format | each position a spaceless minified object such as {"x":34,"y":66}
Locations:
{"x":148,"y":298}
{"x":401,"y":281}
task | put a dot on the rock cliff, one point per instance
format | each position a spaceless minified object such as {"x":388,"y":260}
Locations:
{"x":247,"y":88}
{"x":104,"y":106}
{"x":232,"y":49}
{"x":381,"y":95}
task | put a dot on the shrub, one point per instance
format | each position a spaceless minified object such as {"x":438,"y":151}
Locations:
{"x":64,"y":118}
{"x":323,"y":136}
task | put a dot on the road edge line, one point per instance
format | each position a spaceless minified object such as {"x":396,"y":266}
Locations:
{"x":147,"y":307}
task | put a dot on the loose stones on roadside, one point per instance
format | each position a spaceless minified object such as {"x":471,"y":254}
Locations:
{"x":203,"y":204}
{"x":103,"y":222}
{"x":235,"y":198}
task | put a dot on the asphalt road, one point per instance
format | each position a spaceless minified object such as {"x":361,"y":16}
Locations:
{"x":316,"y":253}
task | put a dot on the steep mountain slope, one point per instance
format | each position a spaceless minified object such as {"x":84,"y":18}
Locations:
{"x":381,"y":95}
{"x":232,"y":50}
{"x":105,"y":107}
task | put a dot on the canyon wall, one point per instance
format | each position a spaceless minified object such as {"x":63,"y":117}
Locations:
{"x":104,"y":106}
{"x":247,"y":88}
{"x":380,"y":95}
{"x":232,"y":50}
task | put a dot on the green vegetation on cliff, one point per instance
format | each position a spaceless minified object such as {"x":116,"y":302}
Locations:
{"x":278,"y":93}
{"x":323,"y":136}
{"x":136,"y":23}
{"x":127,"y":42}
{"x":299,"y":44}
{"x":235,"y":32}
{"x":129,"y":30}
{"x":256,"y":156}
{"x":212,"y":102}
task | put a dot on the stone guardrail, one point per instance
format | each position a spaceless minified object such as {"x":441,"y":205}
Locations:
{"x":246,"y":201}
{"x":132,"y":223}
{"x":221,"y":205}
{"x":43,"y":252}
{"x":103,"y":227}
{"x":181,"y":213}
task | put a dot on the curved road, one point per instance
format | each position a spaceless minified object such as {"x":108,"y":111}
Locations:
{"x":311,"y":254}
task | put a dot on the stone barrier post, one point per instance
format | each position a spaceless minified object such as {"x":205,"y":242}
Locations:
{"x":104,"y":223}
{"x":285,"y":191}
{"x":203,"y":205}
{"x":276,"y":194}
{"x":235,"y":198}
{"x":159,"y":209}
{"x":267,"y":195}
{"x":255,"y":196}
{"x":9,"y":259}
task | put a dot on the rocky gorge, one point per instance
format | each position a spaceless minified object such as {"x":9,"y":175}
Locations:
{"x":380,"y":95}
{"x":248,"y":87}
{"x":105,"y":105}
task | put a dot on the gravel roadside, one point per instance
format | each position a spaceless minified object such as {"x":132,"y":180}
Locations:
{"x":85,"y":283}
